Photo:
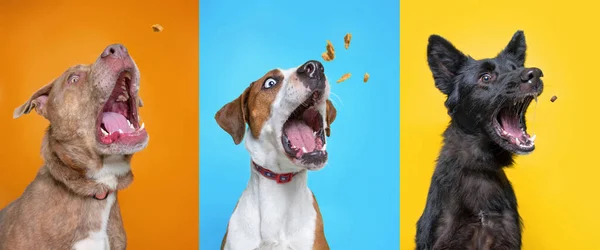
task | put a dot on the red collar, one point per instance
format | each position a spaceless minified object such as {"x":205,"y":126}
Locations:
{"x":279,"y":178}
{"x":101,"y":196}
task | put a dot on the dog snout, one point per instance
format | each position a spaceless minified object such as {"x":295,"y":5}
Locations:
{"x":312,"y":69}
{"x":312,"y":74}
{"x":115,"y":50}
{"x":530,"y":74}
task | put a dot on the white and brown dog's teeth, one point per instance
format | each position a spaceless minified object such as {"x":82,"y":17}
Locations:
{"x":141,"y":127}
{"x":104,"y":132}
{"x":122,"y":98}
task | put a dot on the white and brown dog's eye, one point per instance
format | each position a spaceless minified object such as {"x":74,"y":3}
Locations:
{"x":73,"y":79}
{"x":270,"y":82}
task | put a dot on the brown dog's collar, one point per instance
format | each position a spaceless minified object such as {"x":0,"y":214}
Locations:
{"x":279,"y":178}
{"x":101,"y":196}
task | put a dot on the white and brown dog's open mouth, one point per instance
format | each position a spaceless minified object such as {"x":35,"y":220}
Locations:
{"x":118,"y":121}
{"x":303,"y":135}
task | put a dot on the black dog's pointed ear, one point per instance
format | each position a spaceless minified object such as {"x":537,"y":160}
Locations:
{"x":516,"y":48}
{"x":444,"y":61}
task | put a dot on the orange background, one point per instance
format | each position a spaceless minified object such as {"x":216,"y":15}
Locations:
{"x":40,"y":39}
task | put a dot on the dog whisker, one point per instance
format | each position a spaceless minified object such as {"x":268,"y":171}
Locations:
{"x":338,"y":97}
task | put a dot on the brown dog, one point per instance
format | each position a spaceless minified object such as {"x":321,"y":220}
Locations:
{"x":94,"y":131}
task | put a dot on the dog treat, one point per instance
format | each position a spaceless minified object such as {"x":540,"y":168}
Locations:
{"x":366,"y":77}
{"x":157,"y":28}
{"x":326,"y":57}
{"x":553,"y":98}
{"x":347,"y":39}
{"x":330,"y":52}
{"x":330,"y":49}
{"x":344,"y":77}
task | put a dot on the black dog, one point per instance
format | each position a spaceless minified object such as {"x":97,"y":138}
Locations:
{"x":471,"y":204}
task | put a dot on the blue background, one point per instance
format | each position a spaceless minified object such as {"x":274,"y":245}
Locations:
{"x":358,"y":191}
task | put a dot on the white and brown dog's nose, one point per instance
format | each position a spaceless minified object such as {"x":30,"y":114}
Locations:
{"x":312,"y":74}
{"x":115,"y":50}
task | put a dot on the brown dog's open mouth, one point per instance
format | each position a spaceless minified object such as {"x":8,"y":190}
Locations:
{"x":118,"y":121}
{"x":511,"y":126}
{"x":303,"y":136}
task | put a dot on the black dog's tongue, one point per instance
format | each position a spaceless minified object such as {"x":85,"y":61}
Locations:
{"x":510,"y":123}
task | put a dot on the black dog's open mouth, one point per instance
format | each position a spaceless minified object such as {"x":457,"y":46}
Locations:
{"x":118,"y":119}
{"x":303,"y":136}
{"x":510,"y":123}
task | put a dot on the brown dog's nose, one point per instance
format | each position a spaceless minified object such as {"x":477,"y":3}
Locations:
{"x":529,"y":74}
{"x":115,"y":50}
{"x":313,"y":69}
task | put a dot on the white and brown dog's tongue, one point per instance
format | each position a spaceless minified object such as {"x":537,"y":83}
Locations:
{"x":301,"y":137}
{"x":114,"y":122}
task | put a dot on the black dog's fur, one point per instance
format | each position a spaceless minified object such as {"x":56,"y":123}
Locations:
{"x":471,"y":204}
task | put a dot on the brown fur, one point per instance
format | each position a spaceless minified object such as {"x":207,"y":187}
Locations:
{"x":234,"y":115}
{"x":320,"y":241}
{"x":331,"y":114}
{"x":58,"y":209}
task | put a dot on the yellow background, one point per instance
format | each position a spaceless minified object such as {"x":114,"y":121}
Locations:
{"x":557,"y":185}
{"x":40,"y":39}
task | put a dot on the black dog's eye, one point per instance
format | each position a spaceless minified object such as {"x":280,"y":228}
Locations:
{"x":513,"y":67}
{"x":486,"y":78}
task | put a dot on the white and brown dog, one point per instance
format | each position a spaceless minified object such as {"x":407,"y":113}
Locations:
{"x":288,"y":115}
{"x":94,"y":131}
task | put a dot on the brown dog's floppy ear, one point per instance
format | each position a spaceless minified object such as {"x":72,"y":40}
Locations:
{"x":330,"y":113}
{"x":233,"y":117}
{"x":37,"y":100}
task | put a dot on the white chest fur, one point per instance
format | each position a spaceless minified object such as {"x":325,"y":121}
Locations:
{"x":98,"y":240}
{"x":272,"y":216}
{"x":113,"y":167}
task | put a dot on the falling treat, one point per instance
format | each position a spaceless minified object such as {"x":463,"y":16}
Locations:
{"x":553,"y":98}
{"x":157,"y":28}
{"x":344,"y":77}
{"x":330,"y":51}
{"x":326,"y":57}
{"x":366,"y":78}
{"x":347,"y":39}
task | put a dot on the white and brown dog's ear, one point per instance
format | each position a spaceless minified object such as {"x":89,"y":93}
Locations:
{"x":330,"y":116}
{"x":37,"y":101}
{"x":233,"y":117}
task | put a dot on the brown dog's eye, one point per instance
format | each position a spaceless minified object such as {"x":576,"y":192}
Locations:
{"x":486,"y":78}
{"x":73,"y":79}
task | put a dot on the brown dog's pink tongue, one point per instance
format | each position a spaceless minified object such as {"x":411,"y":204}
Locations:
{"x":115,"y":121}
{"x":301,"y":135}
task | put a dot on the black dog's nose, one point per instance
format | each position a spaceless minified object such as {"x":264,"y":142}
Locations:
{"x":313,"y":69}
{"x":529,"y":74}
{"x":115,"y":50}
